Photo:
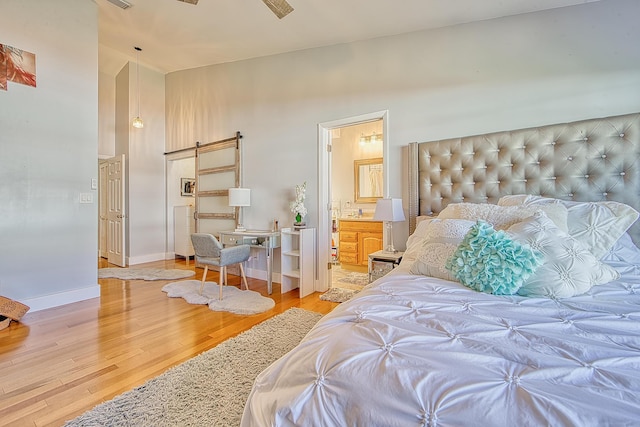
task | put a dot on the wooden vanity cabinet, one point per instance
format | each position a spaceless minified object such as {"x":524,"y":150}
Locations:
{"x":358,"y":238}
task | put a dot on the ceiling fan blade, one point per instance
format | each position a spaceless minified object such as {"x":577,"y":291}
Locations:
{"x":280,"y":7}
{"x":189,"y":1}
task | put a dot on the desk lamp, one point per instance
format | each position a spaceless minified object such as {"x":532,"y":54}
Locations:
{"x":389,"y":211}
{"x":240,"y":197}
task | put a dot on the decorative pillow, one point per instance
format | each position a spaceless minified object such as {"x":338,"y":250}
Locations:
{"x":421,"y":218}
{"x":414,"y":241}
{"x":502,"y":217}
{"x":597,"y":225}
{"x":491,"y":261}
{"x":440,"y":239}
{"x":568,"y":270}
{"x":557,"y":213}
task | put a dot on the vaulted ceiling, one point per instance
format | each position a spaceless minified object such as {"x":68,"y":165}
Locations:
{"x":175,"y":35}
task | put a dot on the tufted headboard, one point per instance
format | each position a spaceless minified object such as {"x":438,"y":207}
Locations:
{"x":588,"y":160}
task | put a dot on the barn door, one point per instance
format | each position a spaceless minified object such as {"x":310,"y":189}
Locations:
{"x":217,"y":170}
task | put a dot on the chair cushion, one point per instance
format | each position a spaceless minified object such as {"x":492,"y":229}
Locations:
{"x":209,"y":251}
{"x":208,"y":260}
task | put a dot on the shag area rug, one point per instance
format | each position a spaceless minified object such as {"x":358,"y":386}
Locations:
{"x":359,"y":279}
{"x":144,"y":273}
{"x":338,"y":294}
{"x":233,"y":300}
{"x":210,"y":389}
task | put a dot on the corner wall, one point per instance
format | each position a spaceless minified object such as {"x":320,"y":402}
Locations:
{"x":145,"y":163}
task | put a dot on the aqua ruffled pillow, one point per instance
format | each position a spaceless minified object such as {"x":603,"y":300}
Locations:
{"x":490,"y":261}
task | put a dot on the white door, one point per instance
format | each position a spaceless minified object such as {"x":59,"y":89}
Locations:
{"x":116,"y":214}
{"x":102,"y":209}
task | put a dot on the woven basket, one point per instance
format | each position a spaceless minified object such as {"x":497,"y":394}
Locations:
{"x":4,"y":322}
{"x":12,"y":309}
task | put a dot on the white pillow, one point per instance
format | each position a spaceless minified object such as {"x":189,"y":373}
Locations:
{"x":568,"y":268}
{"x":414,"y":242}
{"x":597,"y":225}
{"x":502,"y":217}
{"x":421,"y":218}
{"x":440,"y":240}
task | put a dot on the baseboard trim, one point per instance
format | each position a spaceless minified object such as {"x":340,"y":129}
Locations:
{"x":146,"y":258}
{"x":62,"y":298}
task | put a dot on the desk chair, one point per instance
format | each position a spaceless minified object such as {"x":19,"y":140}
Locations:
{"x":209,"y":251}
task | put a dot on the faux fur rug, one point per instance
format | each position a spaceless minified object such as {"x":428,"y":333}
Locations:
{"x":210,"y":389}
{"x":338,"y":294}
{"x":233,"y":300}
{"x":144,"y":273}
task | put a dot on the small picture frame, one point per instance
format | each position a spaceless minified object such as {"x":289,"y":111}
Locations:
{"x":187,"y":187}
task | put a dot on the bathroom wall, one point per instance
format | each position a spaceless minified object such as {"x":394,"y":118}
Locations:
{"x":345,"y":149}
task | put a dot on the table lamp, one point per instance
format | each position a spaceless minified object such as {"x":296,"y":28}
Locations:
{"x":389,"y":211}
{"x":240,"y":197}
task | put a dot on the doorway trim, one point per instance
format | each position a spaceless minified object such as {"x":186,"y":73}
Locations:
{"x":324,"y":184}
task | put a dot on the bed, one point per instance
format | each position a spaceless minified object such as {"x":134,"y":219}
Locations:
{"x":557,"y":344}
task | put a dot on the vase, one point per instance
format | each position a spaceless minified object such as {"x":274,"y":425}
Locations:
{"x":298,"y":223}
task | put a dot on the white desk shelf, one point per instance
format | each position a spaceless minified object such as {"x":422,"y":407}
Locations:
{"x":298,"y":260}
{"x":183,"y":227}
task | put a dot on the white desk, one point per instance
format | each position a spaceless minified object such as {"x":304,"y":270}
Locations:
{"x":267,"y":240}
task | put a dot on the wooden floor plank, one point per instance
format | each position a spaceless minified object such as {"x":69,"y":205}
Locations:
{"x":58,"y":363}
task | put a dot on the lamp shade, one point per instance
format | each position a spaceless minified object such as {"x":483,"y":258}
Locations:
{"x":239,"y":197}
{"x":389,"y":210}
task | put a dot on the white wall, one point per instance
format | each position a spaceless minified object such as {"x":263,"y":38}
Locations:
{"x":110,"y":63}
{"x":177,"y":167}
{"x":48,"y":155}
{"x":107,"y":115}
{"x":345,"y":150}
{"x":541,"y":68}
{"x":146,"y":237}
{"x":548,"y":67}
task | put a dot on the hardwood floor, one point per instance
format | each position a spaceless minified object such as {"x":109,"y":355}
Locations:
{"x":58,"y":363}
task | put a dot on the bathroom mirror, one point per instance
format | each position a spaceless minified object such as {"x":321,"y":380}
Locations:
{"x":368,"y":180}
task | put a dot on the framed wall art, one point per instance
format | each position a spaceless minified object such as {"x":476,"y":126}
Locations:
{"x":187,"y":186}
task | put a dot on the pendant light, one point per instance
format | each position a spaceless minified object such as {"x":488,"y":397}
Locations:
{"x":137,"y":121}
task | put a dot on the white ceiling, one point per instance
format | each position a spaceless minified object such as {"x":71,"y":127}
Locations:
{"x":174,"y":35}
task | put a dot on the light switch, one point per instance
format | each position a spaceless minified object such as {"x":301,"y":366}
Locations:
{"x":86,"y":198}
{"x":94,"y":184}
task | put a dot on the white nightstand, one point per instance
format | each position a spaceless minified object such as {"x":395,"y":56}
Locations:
{"x":382,"y":262}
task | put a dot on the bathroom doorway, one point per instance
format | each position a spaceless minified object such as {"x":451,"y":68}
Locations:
{"x":343,"y":146}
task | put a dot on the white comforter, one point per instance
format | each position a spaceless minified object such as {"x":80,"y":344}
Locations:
{"x":416,"y":351}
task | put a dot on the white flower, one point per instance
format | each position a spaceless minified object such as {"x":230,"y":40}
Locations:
{"x":297,"y":206}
